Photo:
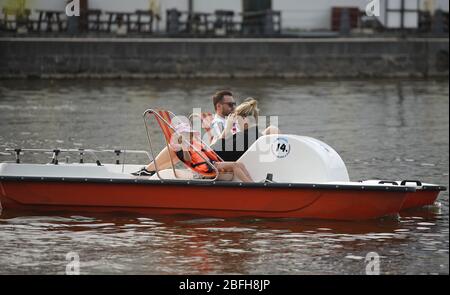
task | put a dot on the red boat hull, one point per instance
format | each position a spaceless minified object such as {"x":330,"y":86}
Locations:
{"x":420,"y":198}
{"x":214,"y":201}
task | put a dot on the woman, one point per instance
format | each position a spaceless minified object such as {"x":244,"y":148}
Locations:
{"x":231,"y":145}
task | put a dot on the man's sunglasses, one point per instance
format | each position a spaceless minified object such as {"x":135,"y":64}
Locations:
{"x":230,"y":104}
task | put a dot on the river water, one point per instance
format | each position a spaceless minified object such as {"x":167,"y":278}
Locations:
{"x":382,"y":129}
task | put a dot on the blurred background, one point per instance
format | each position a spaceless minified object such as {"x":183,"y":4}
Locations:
{"x":224,"y":18}
{"x":217,"y":39}
{"x":223,"y":39}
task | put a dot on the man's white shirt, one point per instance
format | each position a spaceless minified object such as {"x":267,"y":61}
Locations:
{"x":218,"y":125}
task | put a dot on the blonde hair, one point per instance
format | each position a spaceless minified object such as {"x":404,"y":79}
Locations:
{"x":248,"y":108}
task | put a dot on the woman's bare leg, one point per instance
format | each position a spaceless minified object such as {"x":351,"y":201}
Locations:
{"x":163,"y":160}
{"x":237,"y":168}
{"x":244,"y":169}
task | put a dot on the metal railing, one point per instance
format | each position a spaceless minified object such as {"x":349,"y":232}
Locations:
{"x":82,"y":152}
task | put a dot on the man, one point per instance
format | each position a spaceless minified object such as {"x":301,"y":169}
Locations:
{"x":224,"y":105}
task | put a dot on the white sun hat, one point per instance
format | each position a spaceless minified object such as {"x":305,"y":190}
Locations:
{"x":184,"y":128}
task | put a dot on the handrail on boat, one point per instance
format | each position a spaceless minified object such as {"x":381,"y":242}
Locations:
{"x":81,"y":152}
{"x":161,"y":119}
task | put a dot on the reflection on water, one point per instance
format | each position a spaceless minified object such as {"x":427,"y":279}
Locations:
{"x":186,"y":244}
{"x":389,"y":130}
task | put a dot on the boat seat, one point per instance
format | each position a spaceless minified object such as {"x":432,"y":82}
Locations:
{"x":182,"y":174}
{"x":226,"y":176}
{"x":164,"y":119}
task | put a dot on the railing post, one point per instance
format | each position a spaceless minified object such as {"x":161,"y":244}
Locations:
{"x":55,"y":156}
{"x":18,"y":151}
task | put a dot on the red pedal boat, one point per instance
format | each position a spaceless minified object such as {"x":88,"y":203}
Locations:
{"x":309,"y":180}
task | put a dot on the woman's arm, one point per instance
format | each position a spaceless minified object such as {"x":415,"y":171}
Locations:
{"x":271,"y":130}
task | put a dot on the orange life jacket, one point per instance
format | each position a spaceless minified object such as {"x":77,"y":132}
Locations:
{"x":198,"y":163}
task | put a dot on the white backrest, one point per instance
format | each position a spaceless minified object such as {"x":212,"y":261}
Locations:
{"x":294,"y":159}
{"x":167,"y":174}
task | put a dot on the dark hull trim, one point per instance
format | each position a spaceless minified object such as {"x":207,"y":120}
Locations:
{"x":221,"y":184}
